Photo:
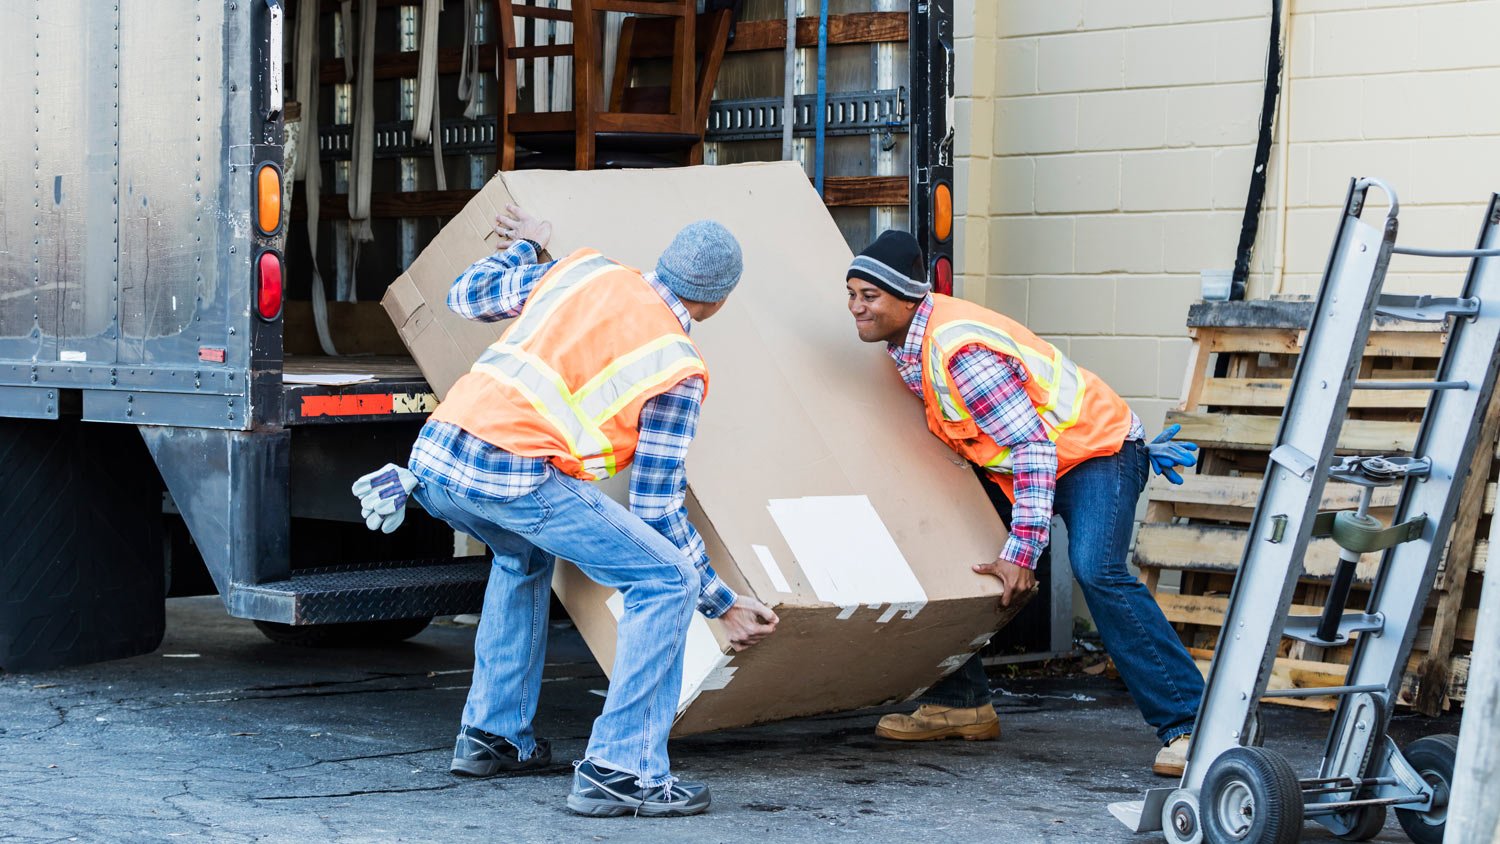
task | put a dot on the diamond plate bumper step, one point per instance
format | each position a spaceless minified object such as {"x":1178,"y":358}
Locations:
{"x":339,"y":594}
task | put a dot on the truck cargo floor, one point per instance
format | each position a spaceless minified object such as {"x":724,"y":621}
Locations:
{"x":374,"y":388}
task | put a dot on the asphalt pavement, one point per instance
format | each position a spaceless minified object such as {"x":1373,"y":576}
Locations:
{"x":221,"y":735}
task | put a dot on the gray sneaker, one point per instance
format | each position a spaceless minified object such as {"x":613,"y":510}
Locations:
{"x":603,"y":793}
{"x":481,"y":754}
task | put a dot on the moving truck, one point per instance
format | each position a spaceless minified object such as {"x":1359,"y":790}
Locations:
{"x":171,"y":419}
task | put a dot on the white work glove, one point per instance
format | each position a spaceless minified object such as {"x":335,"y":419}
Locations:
{"x":382,"y":496}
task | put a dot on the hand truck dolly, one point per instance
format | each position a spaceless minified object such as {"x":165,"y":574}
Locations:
{"x":1233,"y":788}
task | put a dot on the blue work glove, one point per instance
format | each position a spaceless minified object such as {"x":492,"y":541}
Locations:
{"x":1166,"y":454}
{"x":382,"y":496}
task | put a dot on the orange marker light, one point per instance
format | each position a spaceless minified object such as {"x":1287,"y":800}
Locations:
{"x":268,"y":198}
{"x":942,"y":211}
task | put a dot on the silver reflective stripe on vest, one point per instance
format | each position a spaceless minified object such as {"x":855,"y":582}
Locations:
{"x":553,"y":292}
{"x":1059,"y":376}
{"x":548,"y":394}
{"x":633,"y":374}
{"x":578,"y":416}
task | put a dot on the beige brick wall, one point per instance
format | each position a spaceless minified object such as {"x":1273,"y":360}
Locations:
{"x":1104,"y":151}
{"x":1404,"y":91}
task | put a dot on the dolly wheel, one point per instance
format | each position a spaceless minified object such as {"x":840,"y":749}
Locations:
{"x":1251,"y":795}
{"x":1432,"y":757}
{"x":1364,"y":823}
{"x":1180,"y":818}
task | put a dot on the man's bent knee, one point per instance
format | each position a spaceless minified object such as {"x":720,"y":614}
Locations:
{"x":1102,"y":576}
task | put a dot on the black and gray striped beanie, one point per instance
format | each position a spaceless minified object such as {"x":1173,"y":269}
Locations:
{"x":894,"y":264}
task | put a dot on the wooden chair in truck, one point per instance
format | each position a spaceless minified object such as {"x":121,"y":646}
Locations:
{"x":657,"y":107}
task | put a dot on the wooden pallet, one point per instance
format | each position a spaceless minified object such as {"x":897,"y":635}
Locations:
{"x":1238,"y":377}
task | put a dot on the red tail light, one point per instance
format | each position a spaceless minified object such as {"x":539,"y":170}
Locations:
{"x":942,"y":276}
{"x":269,"y":288}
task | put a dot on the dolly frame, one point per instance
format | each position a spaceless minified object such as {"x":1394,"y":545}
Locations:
{"x":1362,"y":771}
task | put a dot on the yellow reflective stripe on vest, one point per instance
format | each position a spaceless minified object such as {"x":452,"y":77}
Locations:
{"x":938,"y":378}
{"x":1071,"y":383}
{"x":1001,"y":462}
{"x":1057,"y":375}
{"x":549,"y":395}
{"x":546,"y":298}
{"x":577,"y":417}
{"x":635,"y":373}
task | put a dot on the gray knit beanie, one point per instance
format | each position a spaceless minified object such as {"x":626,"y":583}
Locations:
{"x":702,"y":264}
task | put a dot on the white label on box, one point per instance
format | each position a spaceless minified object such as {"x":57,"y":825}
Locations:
{"x":845,"y":550}
{"x":70,"y":356}
{"x":911,"y":610}
{"x":702,"y":660}
{"x":717,"y":678}
{"x":951,"y":664}
{"x":773,"y":571}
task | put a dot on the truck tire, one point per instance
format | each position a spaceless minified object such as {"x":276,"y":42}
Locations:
{"x":82,"y":569}
{"x":354,"y":634}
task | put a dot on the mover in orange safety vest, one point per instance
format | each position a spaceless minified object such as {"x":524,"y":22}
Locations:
{"x":569,"y":377}
{"x":1055,"y":439}
{"x":595,"y":371}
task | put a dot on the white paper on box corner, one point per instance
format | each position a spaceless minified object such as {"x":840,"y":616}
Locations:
{"x":773,"y":571}
{"x":846,"y":552}
{"x":704,"y":666}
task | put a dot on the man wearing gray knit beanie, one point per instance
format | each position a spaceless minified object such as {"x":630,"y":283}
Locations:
{"x":702,"y":265}
{"x":596,"y":372}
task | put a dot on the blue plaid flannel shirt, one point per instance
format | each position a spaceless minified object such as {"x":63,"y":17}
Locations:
{"x":496,"y":288}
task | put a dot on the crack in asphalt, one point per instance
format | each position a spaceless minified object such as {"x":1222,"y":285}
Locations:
{"x":936,"y":767}
{"x":392,"y":754}
{"x":318,"y":684}
{"x":360,"y":793}
{"x":426,"y":688}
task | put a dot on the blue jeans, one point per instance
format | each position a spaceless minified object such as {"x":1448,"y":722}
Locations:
{"x":569,"y":518}
{"x":1096,"y":500}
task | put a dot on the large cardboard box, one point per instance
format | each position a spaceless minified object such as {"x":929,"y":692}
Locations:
{"x":812,"y":479}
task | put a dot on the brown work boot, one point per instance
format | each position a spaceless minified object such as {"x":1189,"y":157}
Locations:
{"x":931,"y":722}
{"x":1172,"y":759}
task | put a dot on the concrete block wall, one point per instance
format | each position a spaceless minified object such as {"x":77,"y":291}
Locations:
{"x":1106,"y":162}
{"x":1104,"y":152}
{"x":1399,"y":91}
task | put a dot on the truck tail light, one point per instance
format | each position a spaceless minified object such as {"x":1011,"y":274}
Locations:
{"x":268,"y":285}
{"x":942,"y":276}
{"x":268,"y":198}
{"x":942,"y":211}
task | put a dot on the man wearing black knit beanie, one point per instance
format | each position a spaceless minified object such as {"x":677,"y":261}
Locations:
{"x":1056,"y":439}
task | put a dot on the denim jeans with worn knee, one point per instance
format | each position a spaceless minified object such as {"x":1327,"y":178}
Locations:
{"x":1096,"y":500}
{"x":568,"y":518}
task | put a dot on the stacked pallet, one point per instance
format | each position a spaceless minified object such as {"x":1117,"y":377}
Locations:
{"x":1235,"y":390}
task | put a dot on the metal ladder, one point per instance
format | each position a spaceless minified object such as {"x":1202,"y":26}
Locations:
{"x":1233,"y":789}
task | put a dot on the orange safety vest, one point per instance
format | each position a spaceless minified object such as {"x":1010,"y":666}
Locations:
{"x":567,"y":379}
{"x":1080,"y":413}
